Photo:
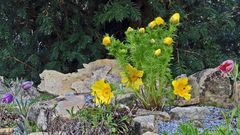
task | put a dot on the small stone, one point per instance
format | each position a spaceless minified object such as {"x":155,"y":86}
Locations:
{"x":198,"y":123}
{"x":192,"y":113}
{"x":160,"y":116}
{"x":6,"y":131}
{"x":149,"y":133}
{"x":77,"y":102}
{"x":125,"y":98}
{"x":42,"y":120}
{"x":144,"y":123}
{"x":46,"y":133}
{"x":192,"y":101}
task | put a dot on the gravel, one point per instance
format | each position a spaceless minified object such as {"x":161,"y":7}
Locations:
{"x":210,"y":122}
{"x":89,"y":100}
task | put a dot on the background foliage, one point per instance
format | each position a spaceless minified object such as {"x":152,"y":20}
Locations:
{"x":63,"y":34}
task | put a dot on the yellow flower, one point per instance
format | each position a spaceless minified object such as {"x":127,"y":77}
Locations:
{"x":152,"y":24}
{"x":159,"y":20}
{"x":102,"y":92}
{"x":132,"y":78}
{"x":157,"y":52}
{"x":141,"y":30}
{"x":168,"y":40}
{"x":129,"y":29}
{"x":181,"y":88}
{"x":106,"y":40}
{"x":175,"y":18}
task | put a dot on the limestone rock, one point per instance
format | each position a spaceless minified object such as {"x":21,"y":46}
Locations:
{"x":79,"y":82}
{"x":144,"y":123}
{"x":77,"y":102}
{"x":160,"y":116}
{"x":209,"y":88}
{"x":45,"y":111}
{"x":101,"y":73}
{"x":6,"y":131}
{"x":192,"y":112}
{"x":126,"y":98}
{"x":198,"y":123}
{"x":42,"y":120}
{"x":236,"y":93}
{"x":150,"y":133}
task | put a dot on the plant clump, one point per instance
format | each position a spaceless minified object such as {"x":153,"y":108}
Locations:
{"x":145,"y":58}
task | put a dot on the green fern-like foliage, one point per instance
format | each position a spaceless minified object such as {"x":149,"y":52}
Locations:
{"x":118,"y":10}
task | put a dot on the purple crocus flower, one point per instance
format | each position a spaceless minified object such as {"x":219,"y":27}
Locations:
{"x":26,"y":85}
{"x":7,"y":98}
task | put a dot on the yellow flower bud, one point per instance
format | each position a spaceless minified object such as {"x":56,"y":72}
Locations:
{"x":168,"y":41}
{"x":129,"y":29}
{"x":159,"y":20}
{"x":175,"y":18}
{"x":157,"y":52}
{"x":152,"y":41}
{"x":141,"y":30}
{"x":106,"y":40}
{"x":152,"y":24}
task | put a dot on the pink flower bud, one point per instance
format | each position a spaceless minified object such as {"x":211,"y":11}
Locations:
{"x":226,"y":67}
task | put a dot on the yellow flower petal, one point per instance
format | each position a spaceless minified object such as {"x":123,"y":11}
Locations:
{"x":140,"y":74}
{"x":97,"y":85}
{"x":174,"y":83}
{"x":124,"y":80}
{"x":188,"y":88}
{"x":183,"y":80}
{"x":137,"y":84}
{"x":187,"y":97}
{"x":152,"y":24}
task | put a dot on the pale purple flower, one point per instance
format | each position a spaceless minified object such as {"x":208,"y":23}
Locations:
{"x":26,"y":85}
{"x":7,"y":98}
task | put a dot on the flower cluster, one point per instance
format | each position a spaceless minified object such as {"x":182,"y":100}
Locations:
{"x":9,"y":97}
